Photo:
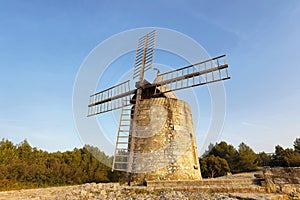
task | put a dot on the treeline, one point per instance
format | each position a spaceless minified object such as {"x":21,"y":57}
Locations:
{"x":22,"y":166}
{"x":223,"y":158}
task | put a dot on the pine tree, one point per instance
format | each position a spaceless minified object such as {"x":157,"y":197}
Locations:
{"x":227,"y":152}
{"x":247,"y":159}
{"x":213,"y":166}
{"x":297,"y":145}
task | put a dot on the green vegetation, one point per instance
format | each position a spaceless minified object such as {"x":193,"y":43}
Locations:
{"x":297,"y":145}
{"x":213,"y":166}
{"x":285,"y":157}
{"x":223,"y":158}
{"x":22,"y":166}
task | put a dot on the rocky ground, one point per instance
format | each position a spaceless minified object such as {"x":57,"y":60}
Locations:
{"x":115,"y":191}
{"x":282,"y":180}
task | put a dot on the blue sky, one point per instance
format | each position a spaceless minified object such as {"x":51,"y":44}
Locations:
{"x":43,"y":43}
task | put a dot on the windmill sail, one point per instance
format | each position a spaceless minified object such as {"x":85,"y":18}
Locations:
{"x":209,"y":71}
{"x":144,"y":54}
{"x":110,"y":99}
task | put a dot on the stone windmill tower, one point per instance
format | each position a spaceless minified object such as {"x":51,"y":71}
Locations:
{"x":156,"y":139}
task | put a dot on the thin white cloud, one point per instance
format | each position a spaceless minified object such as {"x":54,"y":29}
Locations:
{"x":255,"y":125}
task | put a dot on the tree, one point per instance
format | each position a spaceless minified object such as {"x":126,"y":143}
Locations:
{"x":247,"y":159}
{"x":285,"y":158}
{"x":213,"y":166}
{"x":7,"y":152}
{"x":263,"y":159}
{"x":278,"y":150}
{"x":297,"y":145}
{"x":24,"y":151}
{"x":210,"y":147}
{"x":227,"y":152}
{"x":22,"y":166}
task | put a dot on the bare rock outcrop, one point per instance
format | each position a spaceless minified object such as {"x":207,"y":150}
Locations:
{"x":283,"y":180}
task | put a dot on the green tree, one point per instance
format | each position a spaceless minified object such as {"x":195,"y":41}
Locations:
{"x":8,"y":152}
{"x":210,"y":147}
{"x":247,"y":159}
{"x":285,"y":158}
{"x":263,"y":159}
{"x":22,"y":166}
{"x":278,"y":150}
{"x":213,"y":166}
{"x":297,"y":145}
{"x":227,"y":152}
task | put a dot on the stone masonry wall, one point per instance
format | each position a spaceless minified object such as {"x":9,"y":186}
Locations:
{"x":165,"y":145}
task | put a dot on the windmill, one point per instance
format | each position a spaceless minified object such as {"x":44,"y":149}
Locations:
{"x":156,"y":139}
